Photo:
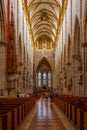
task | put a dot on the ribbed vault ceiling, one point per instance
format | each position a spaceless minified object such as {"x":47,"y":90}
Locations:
{"x":44,"y":18}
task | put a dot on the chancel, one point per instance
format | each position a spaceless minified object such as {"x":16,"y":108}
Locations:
{"x":43,"y":64}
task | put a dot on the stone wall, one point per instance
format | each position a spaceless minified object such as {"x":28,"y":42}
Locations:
{"x":22,"y":80}
{"x":69,"y":59}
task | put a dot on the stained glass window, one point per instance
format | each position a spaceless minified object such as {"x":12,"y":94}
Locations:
{"x":39,"y":79}
{"x":44,"y":79}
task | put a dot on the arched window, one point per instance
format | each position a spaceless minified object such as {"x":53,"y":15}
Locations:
{"x":44,"y":75}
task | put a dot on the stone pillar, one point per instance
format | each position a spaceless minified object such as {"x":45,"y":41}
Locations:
{"x":73,"y":75}
{"x":20,"y":73}
{"x":68,"y":78}
{"x":76,"y":74}
{"x":2,"y":67}
{"x":84,"y":65}
{"x":61,"y":81}
{"x":27,"y":80}
{"x":64,"y":80}
{"x":24,"y":79}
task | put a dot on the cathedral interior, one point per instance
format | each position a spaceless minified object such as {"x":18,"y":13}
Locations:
{"x":43,"y":64}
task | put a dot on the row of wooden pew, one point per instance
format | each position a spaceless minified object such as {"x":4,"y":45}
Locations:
{"x":13,"y":111}
{"x":36,"y":95}
{"x":75,"y":108}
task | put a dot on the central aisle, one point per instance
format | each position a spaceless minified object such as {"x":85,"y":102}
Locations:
{"x":45,"y":117}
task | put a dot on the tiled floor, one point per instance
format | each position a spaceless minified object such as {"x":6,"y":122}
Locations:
{"x":46,"y":116}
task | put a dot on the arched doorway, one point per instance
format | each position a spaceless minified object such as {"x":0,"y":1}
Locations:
{"x":43,"y":76}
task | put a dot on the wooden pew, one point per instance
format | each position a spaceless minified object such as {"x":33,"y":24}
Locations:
{"x":19,"y":108}
{"x":23,"y":102}
{"x":85,"y":120}
{"x":6,"y":120}
{"x":13,"y":111}
{"x":0,"y":123}
{"x":81,"y":118}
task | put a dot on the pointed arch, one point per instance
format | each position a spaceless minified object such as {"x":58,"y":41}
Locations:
{"x":43,"y":58}
{"x":46,"y":64}
{"x":44,"y":74}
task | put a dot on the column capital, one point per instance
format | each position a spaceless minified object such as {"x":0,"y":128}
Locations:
{"x":2,"y":43}
{"x":84,"y":44}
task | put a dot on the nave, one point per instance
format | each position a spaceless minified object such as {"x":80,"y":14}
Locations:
{"x":46,"y":116}
{"x":43,"y":48}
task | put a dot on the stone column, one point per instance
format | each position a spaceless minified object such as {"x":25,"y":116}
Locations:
{"x":68,"y":77}
{"x":64,"y":79}
{"x":24,"y":79}
{"x":61,"y":81}
{"x":76,"y":65}
{"x":84,"y":65}
{"x":2,"y":67}
{"x":20,"y":73}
